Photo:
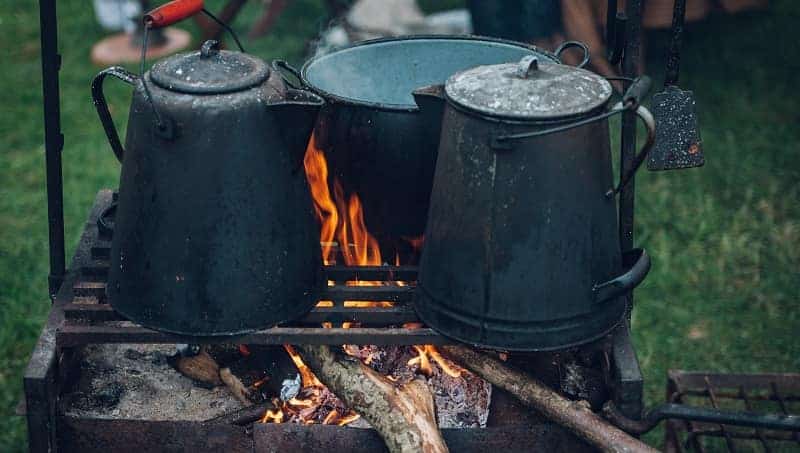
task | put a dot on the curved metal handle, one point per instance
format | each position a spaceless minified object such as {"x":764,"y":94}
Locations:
{"x":637,"y":263}
{"x":103,"y":225}
{"x":650,"y":123}
{"x":282,"y":65}
{"x":567,"y":44}
{"x":630,"y":100}
{"x":699,"y":414}
{"x":99,"y":99}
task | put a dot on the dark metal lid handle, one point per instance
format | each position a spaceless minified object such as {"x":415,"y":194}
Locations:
{"x":528,"y":67}
{"x":209,"y":48}
{"x":99,"y":99}
{"x":637,"y":263}
{"x":567,"y":44}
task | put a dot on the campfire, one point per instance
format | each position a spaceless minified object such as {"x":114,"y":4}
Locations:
{"x":344,"y":236}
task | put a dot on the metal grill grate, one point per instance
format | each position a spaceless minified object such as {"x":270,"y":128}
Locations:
{"x":89,"y":319}
{"x":764,"y":393}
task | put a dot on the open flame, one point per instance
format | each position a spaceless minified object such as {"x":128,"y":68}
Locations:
{"x":317,"y":176}
{"x":341,"y":218}
{"x":344,"y":233}
{"x":309,"y":403}
{"x":423,"y":361}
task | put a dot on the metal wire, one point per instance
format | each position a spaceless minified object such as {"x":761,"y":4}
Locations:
{"x":225,"y":26}
{"x":159,"y":123}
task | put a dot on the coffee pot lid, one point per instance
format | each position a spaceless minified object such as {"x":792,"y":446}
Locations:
{"x":209,"y":71}
{"x":528,"y":90}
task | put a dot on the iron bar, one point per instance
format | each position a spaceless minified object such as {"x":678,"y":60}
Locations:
{"x":71,"y":335}
{"x":713,"y":388}
{"x":749,"y":407}
{"x":630,"y":68}
{"x":712,"y":397}
{"x":53,"y":142}
{"x":100,"y":312}
{"x":371,"y":273}
{"x":782,"y":404}
{"x":744,"y":435}
{"x":737,"y":395}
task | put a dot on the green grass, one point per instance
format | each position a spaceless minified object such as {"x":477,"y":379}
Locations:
{"x":725,"y":238}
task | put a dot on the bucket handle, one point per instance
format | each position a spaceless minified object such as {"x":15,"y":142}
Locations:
{"x":631,"y":101}
{"x":99,"y":100}
{"x":567,"y":44}
{"x":637,"y":263}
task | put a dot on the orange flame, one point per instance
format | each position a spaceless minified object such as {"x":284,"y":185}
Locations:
{"x":330,"y":417}
{"x":307,"y":376}
{"x":343,"y":227}
{"x":303,"y":410}
{"x":317,"y":175}
{"x":349,"y":418}
{"x":421,"y":361}
{"x":271,"y":416}
{"x":428,"y":352}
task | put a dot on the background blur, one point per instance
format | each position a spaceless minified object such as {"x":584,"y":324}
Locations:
{"x":725,"y":239}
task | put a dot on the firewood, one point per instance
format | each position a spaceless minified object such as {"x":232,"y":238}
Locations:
{"x":403,"y":416}
{"x":236,"y":387}
{"x":573,"y":415}
{"x":200,"y":367}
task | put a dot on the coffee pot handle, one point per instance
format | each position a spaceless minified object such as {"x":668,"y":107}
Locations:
{"x":99,"y":99}
{"x":637,"y":264}
{"x":647,"y":118}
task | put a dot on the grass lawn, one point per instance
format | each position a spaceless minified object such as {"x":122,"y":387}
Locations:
{"x":725,"y":239}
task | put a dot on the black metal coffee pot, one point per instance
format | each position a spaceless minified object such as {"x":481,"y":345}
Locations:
{"x":215,"y":232}
{"x":521,"y":246}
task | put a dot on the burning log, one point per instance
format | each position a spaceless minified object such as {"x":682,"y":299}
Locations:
{"x":573,"y":415}
{"x":404,"y":416}
{"x":200,"y":367}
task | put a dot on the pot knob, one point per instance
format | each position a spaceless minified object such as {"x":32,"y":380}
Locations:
{"x":528,"y":66}
{"x":209,"y":48}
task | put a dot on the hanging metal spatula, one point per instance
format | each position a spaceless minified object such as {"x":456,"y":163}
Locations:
{"x":678,"y":143}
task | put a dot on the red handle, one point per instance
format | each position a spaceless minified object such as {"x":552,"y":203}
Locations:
{"x":174,"y":11}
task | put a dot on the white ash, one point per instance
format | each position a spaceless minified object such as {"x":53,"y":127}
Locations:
{"x":133,"y":381}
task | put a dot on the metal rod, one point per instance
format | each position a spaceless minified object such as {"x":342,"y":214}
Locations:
{"x":701,"y":414}
{"x":774,"y":389}
{"x":630,"y":68}
{"x":713,"y":399}
{"x":53,"y":142}
{"x":72,"y":335}
{"x":749,"y":407}
{"x":225,"y":26}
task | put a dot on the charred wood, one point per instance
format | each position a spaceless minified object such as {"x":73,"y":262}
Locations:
{"x":573,"y":415}
{"x":403,"y":416}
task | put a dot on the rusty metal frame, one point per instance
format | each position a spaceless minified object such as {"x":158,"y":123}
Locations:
{"x":89,"y":319}
{"x":50,"y":362}
{"x":81,"y":319}
{"x":743,"y":389}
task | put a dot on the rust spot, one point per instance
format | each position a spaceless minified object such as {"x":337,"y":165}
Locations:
{"x":694,"y":149}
